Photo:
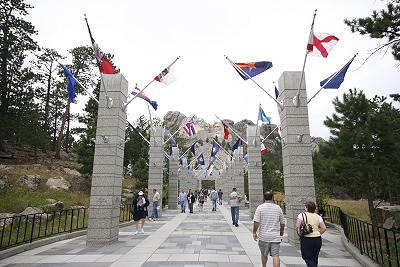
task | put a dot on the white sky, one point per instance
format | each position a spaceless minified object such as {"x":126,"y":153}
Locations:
{"x":146,"y":36}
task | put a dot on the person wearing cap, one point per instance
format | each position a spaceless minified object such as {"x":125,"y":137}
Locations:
{"x":139,"y":206}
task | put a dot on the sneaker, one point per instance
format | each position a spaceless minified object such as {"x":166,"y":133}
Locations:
{"x":142,"y":232}
{"x":237,"y":225}
{"x":135,"y":233}
{"x":150,"y":219}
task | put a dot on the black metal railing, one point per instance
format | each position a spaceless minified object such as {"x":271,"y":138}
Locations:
{"x":23,"y":229}
{"x":378,"y":243}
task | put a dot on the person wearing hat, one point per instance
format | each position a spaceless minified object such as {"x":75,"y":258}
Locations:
{"x":139,"y":206}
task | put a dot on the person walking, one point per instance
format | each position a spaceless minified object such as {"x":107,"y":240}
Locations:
{"x":191,"y":199}
{"x":214,"y":197}
{"x":234,"y":201}
{"x":182,"y":201}
{"x":268,"y":227}
{"x":220,"y":193}
{"x":156,"y":205}
{"x":139,"y":205}
{"x":310,"y":244}
{"x":201,"y":201}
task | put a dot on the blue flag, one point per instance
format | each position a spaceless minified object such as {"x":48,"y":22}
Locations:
{"x":192,"y":149}
{"x":252,"y":68}
{"x":337,"y":79}
{"x":238,"y":143}
{"x":70,"y":83}
{"x":143,"y":96}
{"x":214,"y":152}
{"x":276,"y":92}
{"x":200,"y":159}
{"x":246,"y":158}
{"x":262,"y":117}
{"x":168,"y":135}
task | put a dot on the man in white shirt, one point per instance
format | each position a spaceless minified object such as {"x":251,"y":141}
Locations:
{"x":234,"y":201}
{"x":156,"y":205}
{"x":182,"y":200}
{"x":268,"y":227}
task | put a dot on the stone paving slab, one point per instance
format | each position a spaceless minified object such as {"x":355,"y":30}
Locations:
{"x":201,"y":239}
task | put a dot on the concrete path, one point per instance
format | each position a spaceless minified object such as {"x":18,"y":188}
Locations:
{"x":201,"y":239}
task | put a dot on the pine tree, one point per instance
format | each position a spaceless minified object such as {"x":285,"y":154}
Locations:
{"x":15,"y":44}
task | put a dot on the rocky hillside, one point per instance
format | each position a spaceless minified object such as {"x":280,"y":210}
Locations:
{"x":210,"y":130}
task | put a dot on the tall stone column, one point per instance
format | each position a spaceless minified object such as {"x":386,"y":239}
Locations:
{"x":296,"y":151}
{"x":173,"y":179}
{"x":238,"y":172}
{"x":156,"y":162}
{"x":255,"y":168}
{"x":105,"y":196}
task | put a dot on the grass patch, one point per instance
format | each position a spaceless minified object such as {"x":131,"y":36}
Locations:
{"x":355,"y":208}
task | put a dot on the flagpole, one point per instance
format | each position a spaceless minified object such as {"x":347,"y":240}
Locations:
{"x":80,"y":84}
{"x":109,"y":99}
{"x":136,"y":130}
{"x":188,"y":149}
{"x":258,"y":118}
{"x":172,"y":135}
{"x":169,"y":66}
{"x":270,"y":134}
{"x":222,"y":149}
{"x":333,"y":77}
{"x":233,"y":131}
{"x":248,"y":76}
{"x":296,"y":98}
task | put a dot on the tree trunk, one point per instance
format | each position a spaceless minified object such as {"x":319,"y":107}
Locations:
{"x":370,"y":198}
{"x":60,"y":136}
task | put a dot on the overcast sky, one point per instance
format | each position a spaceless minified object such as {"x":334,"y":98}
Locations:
{"x":146,"y":36}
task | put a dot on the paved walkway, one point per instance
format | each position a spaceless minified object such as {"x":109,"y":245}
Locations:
{"x":201,"y":239}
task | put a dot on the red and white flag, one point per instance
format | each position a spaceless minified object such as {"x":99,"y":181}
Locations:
{"x":165,"y":77}
{"x":320,"y":44}
{"x":101,"y":58}
{"x":263,"y":149}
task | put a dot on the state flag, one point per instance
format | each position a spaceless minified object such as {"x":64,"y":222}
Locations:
{"x":252,"y":68}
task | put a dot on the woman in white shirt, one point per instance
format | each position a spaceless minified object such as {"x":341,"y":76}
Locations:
{"x":310,"y":244}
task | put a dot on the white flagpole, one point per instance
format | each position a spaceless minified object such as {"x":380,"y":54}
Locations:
{"x":169,"y":66}
{"x":137,"y":131}
{"x":248,"y":76}
{"x":258,"y":118}
{"x":296,"y":98}
{"x":269,"y":134}
{"x":222,"y":149}
{"x":172,"y":135}
{"x":230,"y":128}
{"x":188,"y":149}
{"x":333,"y":77}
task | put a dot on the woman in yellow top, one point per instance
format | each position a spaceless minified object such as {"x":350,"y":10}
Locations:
{"x":310,"y":244}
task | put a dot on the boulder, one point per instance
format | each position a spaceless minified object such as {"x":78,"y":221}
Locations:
{"x":36,"y":212}
{"x":58,"y":183}
{"x":6,"y":218}
{"x":54,"y":207}
{"x":32,"y":181}
{"x":389,"y":223}
{"x":71,"y":172}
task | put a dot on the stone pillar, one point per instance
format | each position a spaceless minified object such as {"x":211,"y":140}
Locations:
{"x":296,"y":151}
{"x":156,"y":162}
{"x":173,"y":179}
{"x":255,"y":168}
{"x":238,"y":172}
{"x":230,"y":180}
{"x":105,"y":196}
{"x":186,"y":180}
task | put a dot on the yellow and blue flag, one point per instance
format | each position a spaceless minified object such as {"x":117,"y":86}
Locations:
{"x":252,"y":68}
